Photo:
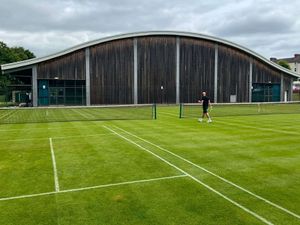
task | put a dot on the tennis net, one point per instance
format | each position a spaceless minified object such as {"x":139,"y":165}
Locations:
{"x":80,"y":113}
{"x":239,"y":109}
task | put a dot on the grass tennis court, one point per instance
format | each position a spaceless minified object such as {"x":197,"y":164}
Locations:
{"x":236,"y":170}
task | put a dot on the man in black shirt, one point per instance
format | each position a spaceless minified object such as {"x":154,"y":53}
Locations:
{"x":205,"y":101}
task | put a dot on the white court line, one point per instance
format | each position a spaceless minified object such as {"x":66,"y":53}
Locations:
{"x":215,"y":175}
{"x":92,"y":187}
{"x":7,"y":115}
{"x":82,"y":114}
{"x":63,"y":137}
{"x":194,"y":178}
{"x":56,"y":184}
{"x":122,"y":183}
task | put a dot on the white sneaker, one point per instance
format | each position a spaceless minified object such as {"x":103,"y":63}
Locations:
{"x":209,"y":121}
{"x":200,"y":120}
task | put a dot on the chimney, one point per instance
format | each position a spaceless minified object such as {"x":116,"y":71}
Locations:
{"x":273,"y":59}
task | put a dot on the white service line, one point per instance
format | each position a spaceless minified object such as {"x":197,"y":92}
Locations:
{"x":92,"y":187}
{"x":213,"y":174}
{"x":194,"y":178}
{"x":122,"y":183}
{"x":56,"y":184}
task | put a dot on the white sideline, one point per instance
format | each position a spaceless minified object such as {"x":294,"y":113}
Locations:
{"x":92,"y":187}
{"x":56,"y":184}
{"x":194,"y":178}
{"x":211,"y":173}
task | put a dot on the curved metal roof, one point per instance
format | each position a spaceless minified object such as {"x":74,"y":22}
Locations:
{"x":30,"y":62}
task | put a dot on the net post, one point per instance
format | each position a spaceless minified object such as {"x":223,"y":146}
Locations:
{"x":180,"y":110}
{"x":154,"y":111}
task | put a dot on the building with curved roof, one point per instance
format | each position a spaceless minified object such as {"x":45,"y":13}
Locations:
{"x":152,"y":67}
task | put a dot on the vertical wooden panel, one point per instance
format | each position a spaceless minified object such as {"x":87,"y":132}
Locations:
{"x":196,"y":69}
{"x":67,"y":67}
{"x":263,"y":73}
{"x":111,"y":67}
{"x":112,"y":70}
{"x":156,"y":68}
{"x":233,"y":74}
{"x":286,"y":86}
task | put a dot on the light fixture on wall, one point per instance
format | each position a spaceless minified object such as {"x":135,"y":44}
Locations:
{"x":56,"y":78}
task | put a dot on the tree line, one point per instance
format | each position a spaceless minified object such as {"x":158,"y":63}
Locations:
{"x":10,"y":55}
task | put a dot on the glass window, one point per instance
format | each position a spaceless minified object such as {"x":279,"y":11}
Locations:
{"x":80,"y":82}
{"x":60,"y":100}
{"x":53,"y":101}
{"x":79,"y":101}
{"x":52,"y":83}
{"x":60,"y":91}
{"x":70,"y":83}
{"x":70,"y":91}
{"x":70,"y":101}
{"x":78,"y":92}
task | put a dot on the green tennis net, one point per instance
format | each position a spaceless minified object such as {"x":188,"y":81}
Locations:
{"x":87,"y":113}
{"x":239,"y":109}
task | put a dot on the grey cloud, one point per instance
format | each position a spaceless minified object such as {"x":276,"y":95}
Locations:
{"x":47,"y":26}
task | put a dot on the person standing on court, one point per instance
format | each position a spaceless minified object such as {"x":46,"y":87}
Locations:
{"x":205,"y":101}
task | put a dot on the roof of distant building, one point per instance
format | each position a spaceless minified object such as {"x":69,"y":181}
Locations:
{"x":295,"y":59}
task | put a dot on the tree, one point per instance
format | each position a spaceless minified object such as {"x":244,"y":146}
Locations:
{"x":9,"y":55}
{"x":13,"y":54}
{"x":284,"y":64}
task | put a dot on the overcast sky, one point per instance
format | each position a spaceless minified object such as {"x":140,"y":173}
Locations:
{"x":269,"y":27}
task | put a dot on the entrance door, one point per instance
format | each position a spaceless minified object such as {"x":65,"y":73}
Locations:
{"x":43,"y":98}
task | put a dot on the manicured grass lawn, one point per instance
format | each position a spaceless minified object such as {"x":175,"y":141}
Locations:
{"x":236,"y":170}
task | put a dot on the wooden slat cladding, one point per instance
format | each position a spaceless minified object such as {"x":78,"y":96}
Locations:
{"x":233,"y":74}
{"x":286,"y":86}
{"x":156,"y":69}
{"x":111,"y":66}
{"x":68,"y":67}
{"x":263,"y":73}
{"x":197,"y":58}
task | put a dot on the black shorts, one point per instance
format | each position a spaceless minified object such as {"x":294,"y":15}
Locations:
{"x":205,"y":109}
